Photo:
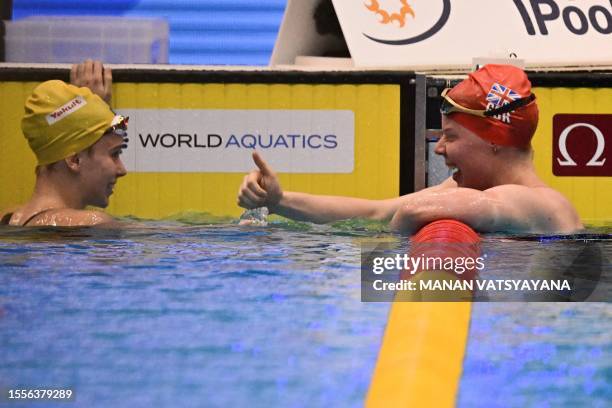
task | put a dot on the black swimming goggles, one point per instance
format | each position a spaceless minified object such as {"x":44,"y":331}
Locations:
{"x":449,"y":106}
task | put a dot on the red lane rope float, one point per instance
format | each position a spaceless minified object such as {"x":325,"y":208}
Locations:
{"x":449,"y":251}
{"x":446,"y":230}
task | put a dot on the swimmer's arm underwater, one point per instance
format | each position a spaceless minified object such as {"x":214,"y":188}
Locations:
{"x":261,"y":188}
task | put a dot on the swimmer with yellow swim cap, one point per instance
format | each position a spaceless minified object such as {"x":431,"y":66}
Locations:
{"x":488,"y":121}
{"x":77,"y":141}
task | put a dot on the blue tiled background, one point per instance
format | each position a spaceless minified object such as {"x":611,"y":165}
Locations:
{"x":233,"y":32}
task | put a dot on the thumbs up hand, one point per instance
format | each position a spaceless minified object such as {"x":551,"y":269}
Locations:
{"x":260,"y":188}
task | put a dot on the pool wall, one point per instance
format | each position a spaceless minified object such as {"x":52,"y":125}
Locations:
{"x":374,"y":100}
{"x":392,"y":111}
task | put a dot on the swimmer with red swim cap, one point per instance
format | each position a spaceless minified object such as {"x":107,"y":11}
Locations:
{"x":488,"y":121}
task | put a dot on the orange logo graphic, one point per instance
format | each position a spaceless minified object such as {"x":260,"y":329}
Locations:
{"x":387,"y":17}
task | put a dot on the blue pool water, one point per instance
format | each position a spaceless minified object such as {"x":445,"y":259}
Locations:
{"x":187,"y":316}
{"x":538,"y":355}
{"x":176,"y":315}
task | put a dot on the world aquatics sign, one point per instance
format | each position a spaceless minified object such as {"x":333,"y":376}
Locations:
{"x":217,"y":140}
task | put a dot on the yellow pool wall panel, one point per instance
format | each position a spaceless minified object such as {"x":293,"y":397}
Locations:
{"x":592,"y":196}
{"x":157,"y":195}
{"x":18,"y":162}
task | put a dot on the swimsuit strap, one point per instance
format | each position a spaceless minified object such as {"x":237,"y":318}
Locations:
{"x":6,"y":218}
{"x":36,"y":215}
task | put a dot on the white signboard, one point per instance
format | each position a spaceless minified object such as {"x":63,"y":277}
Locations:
{"x":292,"y":141}
{"x":449,"y":33}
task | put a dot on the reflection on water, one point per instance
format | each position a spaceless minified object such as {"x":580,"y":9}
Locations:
{"x":168,"y":314}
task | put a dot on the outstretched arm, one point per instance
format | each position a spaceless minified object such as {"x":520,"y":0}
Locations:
{"x":261,"y":188}
{"x":322,"y":209}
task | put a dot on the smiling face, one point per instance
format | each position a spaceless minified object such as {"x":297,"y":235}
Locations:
{"x":100,"y":167}
{"x":470,"y":157}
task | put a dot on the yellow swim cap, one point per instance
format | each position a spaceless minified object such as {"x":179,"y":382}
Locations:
{"x":61,"y":120}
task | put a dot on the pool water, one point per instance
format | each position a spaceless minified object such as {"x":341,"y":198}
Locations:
{"x":544,"y":354}
{"x":187,"y":316}
{"x":538,"y":355}
{"x":170,"y":314}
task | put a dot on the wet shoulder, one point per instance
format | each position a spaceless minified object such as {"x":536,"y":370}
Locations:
{"x":547,"y":208}
{"x":562,"y":211}
{"x":68,"y":217}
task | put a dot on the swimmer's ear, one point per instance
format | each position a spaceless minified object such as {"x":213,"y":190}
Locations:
{"x":73,"y":162}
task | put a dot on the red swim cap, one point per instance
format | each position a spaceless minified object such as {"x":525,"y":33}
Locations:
{"x":491,"y":87}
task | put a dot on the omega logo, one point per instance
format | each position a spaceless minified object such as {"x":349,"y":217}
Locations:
{"x":582,"y":145}
{"x":596,"y":160}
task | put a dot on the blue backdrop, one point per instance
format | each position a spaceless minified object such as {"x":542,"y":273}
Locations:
{"x":234,"y":32}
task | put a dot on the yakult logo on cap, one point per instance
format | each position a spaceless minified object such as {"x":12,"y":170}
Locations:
{"x":65,"y":110}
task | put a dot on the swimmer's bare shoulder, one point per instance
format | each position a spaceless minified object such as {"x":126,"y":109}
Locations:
{"x":74,"y":218}
{"x":542,"y":207}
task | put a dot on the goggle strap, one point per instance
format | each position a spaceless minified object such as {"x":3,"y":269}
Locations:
{"x":459,"y":107}
{"x":509,"y":107}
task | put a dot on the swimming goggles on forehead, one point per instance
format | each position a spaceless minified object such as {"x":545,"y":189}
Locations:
{"x":449,"y":106}
{"x":119,"y":127}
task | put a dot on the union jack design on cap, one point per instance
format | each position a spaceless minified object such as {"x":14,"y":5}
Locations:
{"x":500,"y":95}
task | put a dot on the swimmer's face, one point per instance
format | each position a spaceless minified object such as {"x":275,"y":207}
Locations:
{"x":101,"y":166}
{"x":466,"y":154}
